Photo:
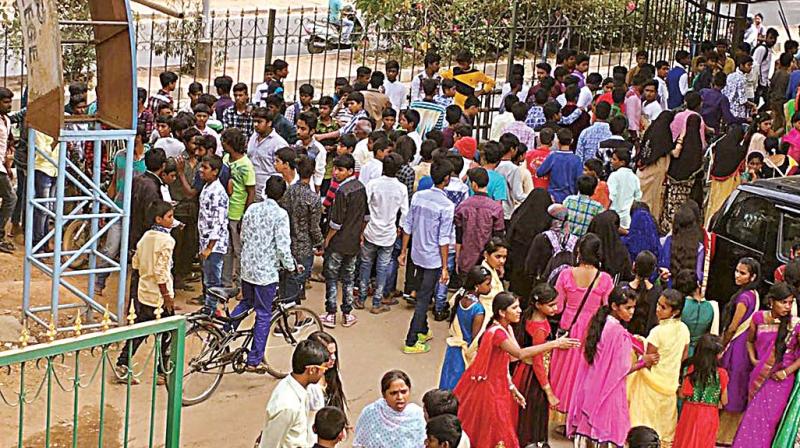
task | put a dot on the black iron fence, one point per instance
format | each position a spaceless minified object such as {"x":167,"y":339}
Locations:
{"x":240,"y":44}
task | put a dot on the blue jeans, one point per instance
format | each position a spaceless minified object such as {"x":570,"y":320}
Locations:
{"x":295,"y":283}
{"x":45,"y":187}
{"x":259,"y":297}
{"x":429,"y":278}
{"x":382,"y":256}
{"x":111,"y":250}
{"x":393,"y":267}
{"x":212,"y":277}
{"x":337,"y":267}
{"x":441,"y":289}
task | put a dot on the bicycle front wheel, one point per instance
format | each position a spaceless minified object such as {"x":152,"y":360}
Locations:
{"x":202,"y":371}
{"x":301,"y":322}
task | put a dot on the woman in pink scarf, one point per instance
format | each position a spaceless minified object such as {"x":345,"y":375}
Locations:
{"x":793,"y":137}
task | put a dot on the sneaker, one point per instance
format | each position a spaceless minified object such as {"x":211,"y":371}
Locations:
{"x":278,"y":331}
{"x":424,"y":338}
{"x":389,"y":301}
{"x":348,"y":320}
{"x":358,"y":304}
{"x":121,"y":376}
{"x":307,"y":322}
{"x":161,"y":379}
{"x":328,"y":320}
{"x":7,"y":246}
{"x":411,"y":300}
{"x":419,"y":347}
{"x":380,"y":309}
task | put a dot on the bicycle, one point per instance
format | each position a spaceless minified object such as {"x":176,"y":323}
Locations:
{"x":210,"y":342}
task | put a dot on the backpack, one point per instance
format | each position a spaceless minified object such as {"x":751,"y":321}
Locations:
{"x":563,"y":256}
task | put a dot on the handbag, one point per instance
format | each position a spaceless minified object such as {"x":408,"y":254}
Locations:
{"x":561,"y":332}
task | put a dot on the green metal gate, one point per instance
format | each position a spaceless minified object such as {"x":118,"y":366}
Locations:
{"x":32,"y":377}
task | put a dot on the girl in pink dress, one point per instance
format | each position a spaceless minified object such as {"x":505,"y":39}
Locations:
{"x":598,"y":413}
{"x":572,"y":287}
{"x":485,"y":391}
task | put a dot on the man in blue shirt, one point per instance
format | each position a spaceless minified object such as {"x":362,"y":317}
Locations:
{"x":564,"y":168}
{"x":430,"y":222}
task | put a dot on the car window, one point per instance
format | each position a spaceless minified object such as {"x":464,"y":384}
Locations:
{"x":749,"y":219}
{"x":790,"y":233}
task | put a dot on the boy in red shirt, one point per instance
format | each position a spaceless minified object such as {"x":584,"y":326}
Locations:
{"x":535,"y":157}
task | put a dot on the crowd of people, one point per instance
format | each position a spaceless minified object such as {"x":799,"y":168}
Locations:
{"x":574,"y":239}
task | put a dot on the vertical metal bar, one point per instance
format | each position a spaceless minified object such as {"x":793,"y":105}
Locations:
{"x":166,"y":43}
{"x":30,"y":194}
{"x":253,"y":56}
{"x":150,"y":62}
{"x":512,"y":36}
{"x":211,"y":51}
{"x":225,"y":42}
{"x":76,"y":387}
{"x":299,"y":43}
{"x":311,"y":56}
{"x":48,"y":411}
{"x":286,"y":32}
{"x":126,"y":225}
{"x":241,"y":43}
{"x":128,"y":381}
{"x":103,"y":359}
{"x":58,"y":232}
{"x":270,"y":38}
{"x":21,"y":430}
{"x":95,"y":223}
{"x":175,"y":381}
{"x":153,"y":387}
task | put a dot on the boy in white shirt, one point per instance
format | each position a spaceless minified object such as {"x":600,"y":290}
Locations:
{"x":623,"y":186}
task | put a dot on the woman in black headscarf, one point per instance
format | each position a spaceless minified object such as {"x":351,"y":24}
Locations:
{"x":528,"y":220}
{"x":653,"y":161}
{"x":726,"y":165}
{"x":614,"y":257}
{"x":685,"y":174}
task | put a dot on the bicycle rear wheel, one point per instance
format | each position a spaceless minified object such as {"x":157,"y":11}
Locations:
{"x":201,"y":347}
{"x":280,"y":345}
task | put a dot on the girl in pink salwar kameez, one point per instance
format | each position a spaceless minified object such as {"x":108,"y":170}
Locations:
{"x":598,"y":414}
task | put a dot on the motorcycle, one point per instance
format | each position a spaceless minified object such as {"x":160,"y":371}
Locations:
{"x":325,"y":34}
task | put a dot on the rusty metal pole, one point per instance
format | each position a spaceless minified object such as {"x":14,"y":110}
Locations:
{"x":270,"y":37}
{"x":740,"y":24}
{"x":512,"y":37}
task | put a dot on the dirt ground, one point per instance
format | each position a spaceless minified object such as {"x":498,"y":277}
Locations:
{"x":232,"y":417}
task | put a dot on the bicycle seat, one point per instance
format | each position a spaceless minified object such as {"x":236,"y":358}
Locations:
{"x":223,"y":294}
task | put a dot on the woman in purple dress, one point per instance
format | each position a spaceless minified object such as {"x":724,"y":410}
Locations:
{"x":772,"y":345}
{"x":736,"y":322}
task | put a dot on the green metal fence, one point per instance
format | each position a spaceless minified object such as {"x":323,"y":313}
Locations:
{"x":43,"y":378}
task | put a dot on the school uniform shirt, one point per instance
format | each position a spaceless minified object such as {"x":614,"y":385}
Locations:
{"x":651,"y":111}
{"x":499,"y":124}
{"x":347,"y":215}
{"x":362,"y":154}
{"x":430,"y":223}
{"x":397,"y":93}
{"x":286,"y":423}
{"x":261,"y":151}
{"x":431,"y":116}
{"x":171,"y":146}
{"x":208,"y":131}
{"x":316,"y":152}
{"x":663,"y":92}
{"x":416,"y":85}
{"x":386,"y":197}
{"x":153,"y":260}
{"x":372,"y":170}
{"x":212,"y":222}
{"x":623,"y":189}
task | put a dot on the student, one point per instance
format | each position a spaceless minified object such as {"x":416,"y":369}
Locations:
{"x":201,"y":115}
{"x":346,"y":145}
{"x":564,"y":168}
{"x":438,"y":402}
{"x":260,"y":94}
{"x":363,"y":74}
{"x":287,"y":410}
{"x":387,"y":199}
{"x":505,"y":118}
{"x":497,"y":189}
{"x":448,"y":96}
{"x":265,"y":249}
{"x":468,"y":77}
{"x":443,"y":431}
{"x":430,"y":112}
{"x":618,"y":125}
{"x":242,"y":191}
{"x":623,"y":186}
{"x":678,"y":79}
{"x":194,"y":91}
{"x":431,"y":214}
{"x":355,"y":105}
{"x":212,"y":225}
{"x":526,"y":135}
{"x":262,"y":146}
{"x":145,"y":115}
{"x":388,"y":120}
{"x":581,"y":208}
{"x":466,"y":322}
{"x":452,"y":114}
{"x":471,"y":109}
{"x":329,"y":426}
{"x":736,"y":89}
{"x":372,"y":170}
{"x":171,"y":146}
{"x":643,"y":437}
{"x":653,"y":401}
{"x":311,"y":147}
{"x":393,"y":88}
{"x":477,"y":220}
{"x":430,"y":71}
{"x":594,"y":168}
{"x":239,"y":115}
{"x":223,"y":85}
{"x":535,"y":157}
{"x":607,"y":349}
{"x":303,"y":206}
{"x":342,"y":243}
{"x":647,"y":294}
{"x":306,"y":94}
{"x":155,"y":296}
{"x":426,"y":158}
{"x":510,"y":172}
{"x":409,"y":122}
{"x":282,"y":126}
{"x":169,"y":81}
{"x":280,"y":72}
{"x":531,"y":378}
